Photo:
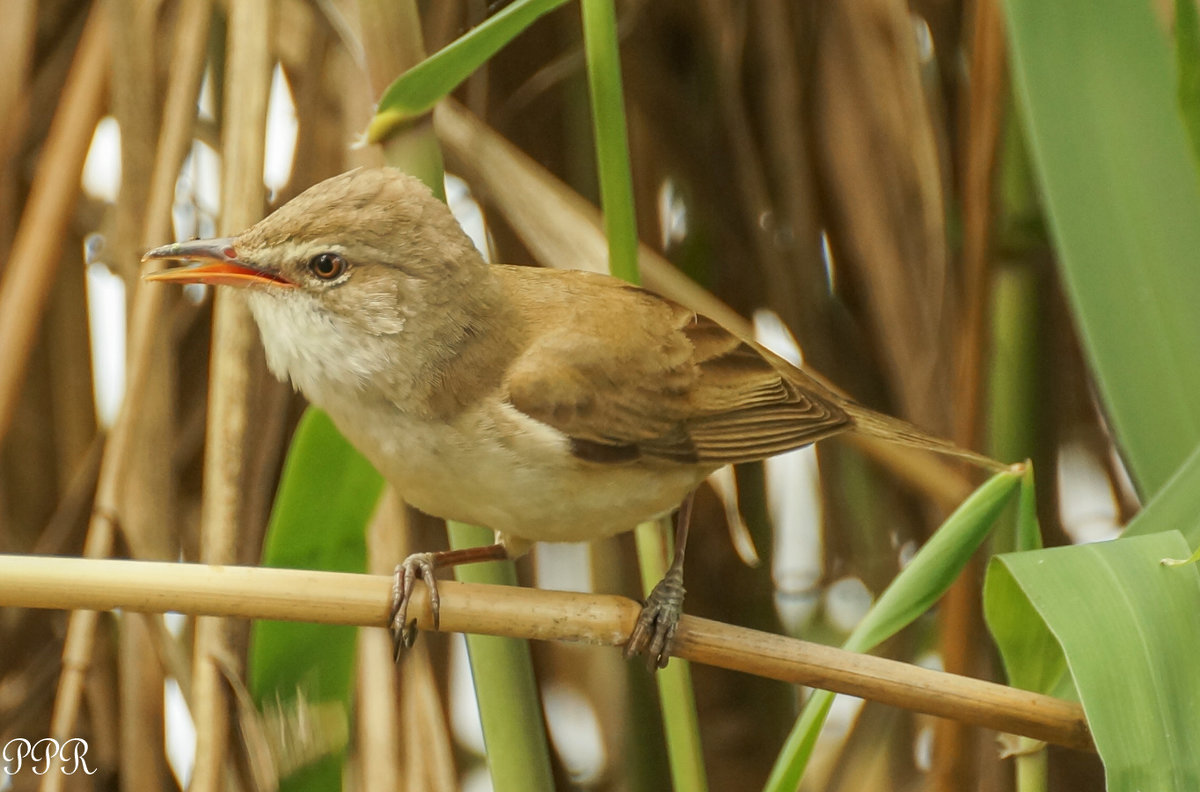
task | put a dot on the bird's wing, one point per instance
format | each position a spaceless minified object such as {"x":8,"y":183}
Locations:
{"x":667,"y":383}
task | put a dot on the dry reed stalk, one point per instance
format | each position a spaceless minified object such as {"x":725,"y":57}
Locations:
{"x":986,"y":94}
{"x":147,"y":497}
{"x":429,"y":764}
{"x":17,"y":37}
{"x":69,"y":410}
{"x":878,"y":156}
{"x":391,"y":40}
{"x":145,"y":322}
{"x":789,"y":174}
{"x":103,"y":711}
{"x":402,"y":727}
{"x":141,"y":725}
{"x":365,"y":600}
{"x":392,"y":43}
{"x":795,"y":284}
{"x":235,"y":369}
{"x":956,"y":758}
{"x":28,"y":279}
{"x":33,"y":261}
{"x":379,"y":722}
{"x":378,"y":727}
{"x":77,"y":495}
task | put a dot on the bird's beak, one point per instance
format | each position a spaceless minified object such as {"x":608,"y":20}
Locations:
{"x":222,"y":266}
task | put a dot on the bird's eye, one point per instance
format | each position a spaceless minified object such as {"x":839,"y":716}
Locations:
{"x":327,"y":266}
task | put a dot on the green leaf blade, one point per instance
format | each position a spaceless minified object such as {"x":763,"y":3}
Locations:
{"x":506,"y":690}
{"x":1175,"y":506}
{"x":415,"y":92}
{"x":1129,"y":632}
{"x":612,"y":139}
{"x":1187,"y":64}
{"x":918,"y":586}
{"x":936,"y":565}
{"x":327,"y":495}
{"x":1113,"y":161}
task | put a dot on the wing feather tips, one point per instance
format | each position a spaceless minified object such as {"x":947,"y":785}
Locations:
{"x":605,"y":453}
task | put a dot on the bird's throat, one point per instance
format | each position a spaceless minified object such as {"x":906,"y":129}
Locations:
{"x":323,"y":355}
{"x":423,"y":363}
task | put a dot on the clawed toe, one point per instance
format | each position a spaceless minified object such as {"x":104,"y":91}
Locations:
{"x":657,"y":623}
{"x":422,"y":565}
{"x":404,"y":631}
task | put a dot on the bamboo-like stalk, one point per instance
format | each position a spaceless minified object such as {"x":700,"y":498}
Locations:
{"x":787,"y":157}
{"x":379,"y":726}
{"x":955,"y":761}
{"x":17,"y":37}
{"x":365,"y":600}
{"x":184,"y":83}
{"x":235,"y":370}
{"x":34,"y":259}
{"x":55,"y":186}
{"x":147,"y":500}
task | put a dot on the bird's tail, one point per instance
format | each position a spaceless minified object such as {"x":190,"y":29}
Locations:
{"x":874,"y":424}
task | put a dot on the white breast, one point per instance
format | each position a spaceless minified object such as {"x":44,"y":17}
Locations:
{"x":503,"y":470}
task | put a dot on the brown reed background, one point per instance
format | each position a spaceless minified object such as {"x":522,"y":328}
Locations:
{"x":780,"y":123}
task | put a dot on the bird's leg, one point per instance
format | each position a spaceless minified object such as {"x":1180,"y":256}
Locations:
{"x":422,"y":565}
{"x":660,"y":615}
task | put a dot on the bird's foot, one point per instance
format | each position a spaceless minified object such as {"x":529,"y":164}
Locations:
{"x":404,"y":632}
{"x":658,"y":620}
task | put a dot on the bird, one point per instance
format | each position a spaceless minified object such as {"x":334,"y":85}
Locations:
{"x":548,"y":405}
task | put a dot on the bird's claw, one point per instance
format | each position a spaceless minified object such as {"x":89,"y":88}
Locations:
{"x":404,"y":632}
{"x":656,"y":624}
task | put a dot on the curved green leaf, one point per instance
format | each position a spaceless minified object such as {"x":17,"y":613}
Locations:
{"x":326,"y":496}
{"x":1128,"y":631}
{"x":415,"y":92}
{"x":1175,"y":507}
{"x":918,"y":586}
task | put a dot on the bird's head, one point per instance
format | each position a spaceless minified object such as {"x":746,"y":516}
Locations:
{"x":344,"y":277}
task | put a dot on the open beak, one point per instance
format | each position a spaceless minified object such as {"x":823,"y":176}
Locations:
{"x":221,"y":265}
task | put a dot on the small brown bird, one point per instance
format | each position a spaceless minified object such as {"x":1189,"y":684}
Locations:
{"x":547,"y":405}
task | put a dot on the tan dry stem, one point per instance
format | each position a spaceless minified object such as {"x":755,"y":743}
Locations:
{"x":145,"y":322}
{"x":147,"y":499}
{"x":960,"y":617}
{"x":33,"y":262}
{"x":235,"y":372}
{"x":365,"y":600}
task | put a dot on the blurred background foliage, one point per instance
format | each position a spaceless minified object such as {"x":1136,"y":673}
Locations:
{"x":854,"y":166}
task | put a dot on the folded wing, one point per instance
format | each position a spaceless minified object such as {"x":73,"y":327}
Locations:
{"x":677,"y":386}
